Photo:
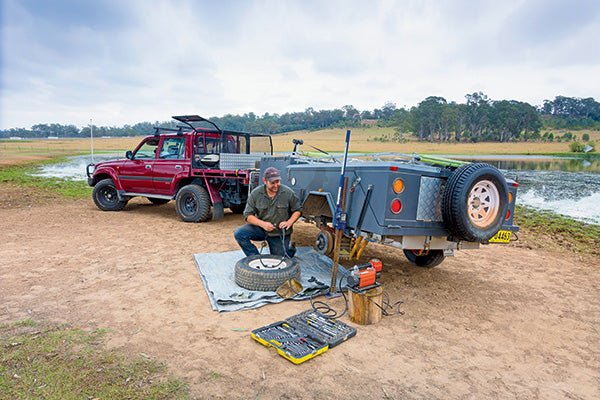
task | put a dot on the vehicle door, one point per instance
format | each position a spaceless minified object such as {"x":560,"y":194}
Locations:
{"x":171,"y":164}
{"x":135,"y":174}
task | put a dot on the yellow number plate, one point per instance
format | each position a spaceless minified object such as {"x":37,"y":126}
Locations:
{"x":501,"y":237}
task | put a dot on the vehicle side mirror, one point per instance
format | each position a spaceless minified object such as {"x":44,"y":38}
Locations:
{"x":129,"y":154}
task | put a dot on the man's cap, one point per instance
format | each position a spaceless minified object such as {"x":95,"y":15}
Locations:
{"x":272,"y":174}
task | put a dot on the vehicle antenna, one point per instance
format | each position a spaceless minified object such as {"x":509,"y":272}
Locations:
{"x":92,"y":139}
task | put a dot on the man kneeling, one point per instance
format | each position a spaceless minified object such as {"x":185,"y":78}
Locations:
{"x":271,"y":211}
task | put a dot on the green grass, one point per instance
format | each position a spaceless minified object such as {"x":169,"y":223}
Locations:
{"x":563,"y":231}
{"x":58,"y":362}
{"x":21,"y":175}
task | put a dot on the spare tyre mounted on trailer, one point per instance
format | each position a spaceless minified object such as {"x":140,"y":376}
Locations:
{"x":475,"y":202}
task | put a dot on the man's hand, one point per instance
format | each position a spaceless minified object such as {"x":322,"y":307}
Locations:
{"x":286,"y":224}
{"x":267,"y":226}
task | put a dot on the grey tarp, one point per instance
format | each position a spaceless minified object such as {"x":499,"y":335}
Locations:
{"x":217,"y":273}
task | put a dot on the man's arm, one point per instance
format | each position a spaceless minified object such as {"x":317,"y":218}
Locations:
{"x":250,"y":214}
{"x":254,"y":220}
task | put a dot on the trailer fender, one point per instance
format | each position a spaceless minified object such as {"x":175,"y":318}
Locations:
{"x":318,"y":204}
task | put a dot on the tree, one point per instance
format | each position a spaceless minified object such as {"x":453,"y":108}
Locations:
{"x":477,"y":115}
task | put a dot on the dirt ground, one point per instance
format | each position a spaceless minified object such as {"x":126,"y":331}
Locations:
{"x":519,"y":321}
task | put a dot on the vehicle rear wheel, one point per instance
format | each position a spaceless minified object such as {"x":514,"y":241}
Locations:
{"x":105,"y":196}
{"x":265,"y":272}
{"x":193,"y":203}
{"x":158,"y":202}
{"x":428,"y":259}
{"x":475,"y":202}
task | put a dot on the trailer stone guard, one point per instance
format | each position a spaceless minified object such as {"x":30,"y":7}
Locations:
{"x":426,"y":206}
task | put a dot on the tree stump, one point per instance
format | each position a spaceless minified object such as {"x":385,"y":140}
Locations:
{"x":365,"y":307}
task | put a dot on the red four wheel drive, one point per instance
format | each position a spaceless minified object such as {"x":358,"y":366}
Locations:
{"x":204,"y":170}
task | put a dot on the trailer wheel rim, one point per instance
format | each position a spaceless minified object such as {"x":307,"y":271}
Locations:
{"x":483,"y":203}
{"x":268,"y":263}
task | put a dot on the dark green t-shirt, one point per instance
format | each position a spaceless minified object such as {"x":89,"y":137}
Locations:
{"x":274,"y":210}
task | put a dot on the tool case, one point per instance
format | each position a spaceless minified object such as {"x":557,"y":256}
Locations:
{"x":303,"y":336}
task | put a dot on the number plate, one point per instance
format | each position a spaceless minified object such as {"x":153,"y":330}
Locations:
{"x":501,"y":237}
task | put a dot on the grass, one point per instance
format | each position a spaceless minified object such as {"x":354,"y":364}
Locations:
{"x":58,"y":362}
{"x":21,"y":175}
{"x":548,"y":227}
{"x":331,"y":140}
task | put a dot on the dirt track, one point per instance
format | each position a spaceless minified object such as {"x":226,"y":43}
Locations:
{"x":502,"y":322}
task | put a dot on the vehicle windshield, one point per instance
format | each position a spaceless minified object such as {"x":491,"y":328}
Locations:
{"x":147,"y":150}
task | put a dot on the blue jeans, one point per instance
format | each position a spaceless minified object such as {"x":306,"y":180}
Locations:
{"x":245,"y":233}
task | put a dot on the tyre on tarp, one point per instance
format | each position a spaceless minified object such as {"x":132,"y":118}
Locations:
{"x":475,"y":202}
{"x":425,"y":259}
{"x":265,"y":273}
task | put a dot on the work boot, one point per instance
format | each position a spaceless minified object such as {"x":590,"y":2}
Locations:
{"x":291,"y":251}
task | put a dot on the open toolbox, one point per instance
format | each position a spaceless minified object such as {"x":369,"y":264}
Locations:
{"x":303,"y":336}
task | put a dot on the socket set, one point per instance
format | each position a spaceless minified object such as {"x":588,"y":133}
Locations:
{"x":303,"y":336}
{"x":291,"y":343}
{"x":330,"y":331}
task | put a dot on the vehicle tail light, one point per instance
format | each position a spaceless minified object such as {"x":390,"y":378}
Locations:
{"x":515,"y":184}
{"x":507,"y":215}
{"x":396,"y":206}
{"x":393,"y":168}
{"x":398,"y":185}
{"x":510,"y":197}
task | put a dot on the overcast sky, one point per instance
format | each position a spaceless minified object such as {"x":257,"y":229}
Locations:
{"x":121,"y":62}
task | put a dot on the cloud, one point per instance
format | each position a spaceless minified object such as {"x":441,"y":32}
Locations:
{"x":125,"y":62}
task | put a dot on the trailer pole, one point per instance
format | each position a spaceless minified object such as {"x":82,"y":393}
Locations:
{"x":340,"y":217}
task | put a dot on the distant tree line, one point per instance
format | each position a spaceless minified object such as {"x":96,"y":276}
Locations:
{"x":433,"y":119}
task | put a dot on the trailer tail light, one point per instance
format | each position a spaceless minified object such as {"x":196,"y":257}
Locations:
{"x":510,"y":197}
{"x":507,"y":215}
{"x":398,"y":185}
{"x":396,"y":206}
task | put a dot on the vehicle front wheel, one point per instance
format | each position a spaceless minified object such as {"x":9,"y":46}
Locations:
{"x":193,"y":203}
{"x":428,"y":259}
{"x":105,"y":196}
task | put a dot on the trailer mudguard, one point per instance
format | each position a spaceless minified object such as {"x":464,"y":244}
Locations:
{"x":318,"y":204}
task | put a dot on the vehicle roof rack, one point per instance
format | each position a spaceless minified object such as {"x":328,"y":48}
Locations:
{"x":158,"y":129}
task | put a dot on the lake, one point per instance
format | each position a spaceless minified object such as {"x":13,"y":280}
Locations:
{"x":567,"y":186}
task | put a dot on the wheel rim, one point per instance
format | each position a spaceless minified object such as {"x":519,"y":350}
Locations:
{"x":190,"y":205}
{"x":109,"y":195}
{"x":267,"y":263}
{"x":323,"y":242}
{"x":483,"y":204}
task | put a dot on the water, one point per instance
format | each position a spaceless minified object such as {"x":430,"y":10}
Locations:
{"x":74,"y":167}
{"x":567,"y":186}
